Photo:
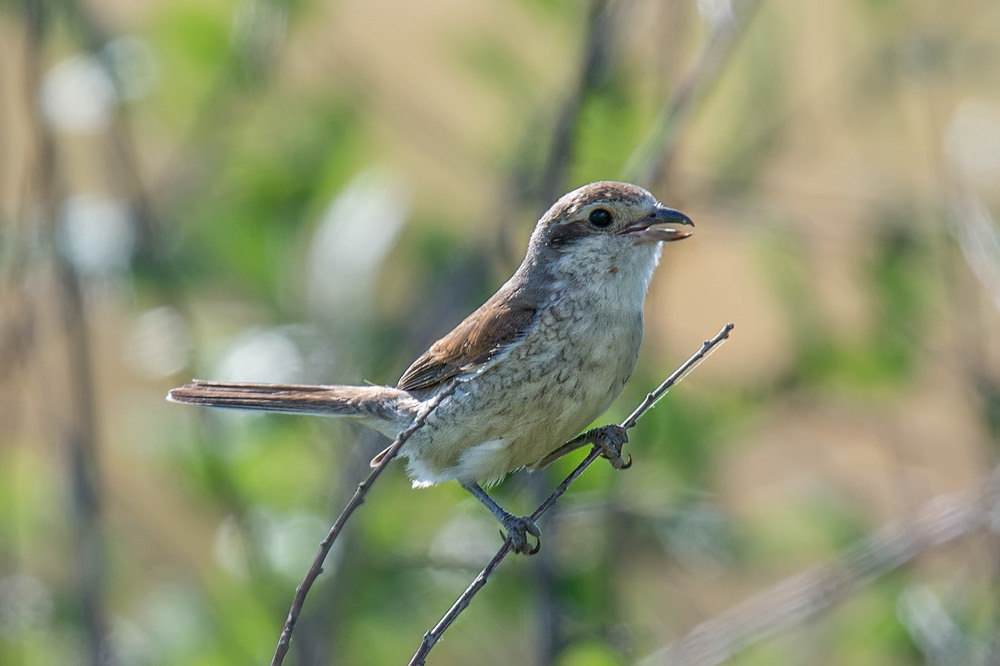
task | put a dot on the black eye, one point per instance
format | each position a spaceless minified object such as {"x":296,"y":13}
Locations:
{"x":600,"y":218}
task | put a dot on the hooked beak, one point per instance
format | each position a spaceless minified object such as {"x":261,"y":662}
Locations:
{"x":660,"y":226}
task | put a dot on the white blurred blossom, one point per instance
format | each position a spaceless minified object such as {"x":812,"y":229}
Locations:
{"x":290,"y":541}
{"x":128,"y":643}
{"x":262,"y":355}
{"x":158,"y":343}
{"x":357,"y":231}
{"x":715,"y":13}
{"x":287,"y":541}
{"x":96,"y":234}
{"x":972,"y":143}
{"x":78,"y":95}
{"x":172,"y":614}
{"x":229,"y":549}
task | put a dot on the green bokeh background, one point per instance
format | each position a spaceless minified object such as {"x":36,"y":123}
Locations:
{"x":841,"y":160}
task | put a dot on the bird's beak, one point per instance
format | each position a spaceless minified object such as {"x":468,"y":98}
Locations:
{"x":660,"y":226}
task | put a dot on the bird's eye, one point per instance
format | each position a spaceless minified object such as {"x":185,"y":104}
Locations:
{"x":600,"y":218}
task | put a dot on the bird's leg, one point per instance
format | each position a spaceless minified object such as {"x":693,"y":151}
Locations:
{"x":518,"y":527}
{"x":610,"y":439}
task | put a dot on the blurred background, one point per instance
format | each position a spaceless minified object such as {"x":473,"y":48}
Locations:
{"x":313,"y":191}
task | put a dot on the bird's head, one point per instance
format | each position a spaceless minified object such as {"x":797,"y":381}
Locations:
{"x":612,"y":214}
{"x":606,"y":227}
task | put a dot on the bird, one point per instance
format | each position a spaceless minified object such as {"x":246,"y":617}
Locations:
{"x":516,"y":380}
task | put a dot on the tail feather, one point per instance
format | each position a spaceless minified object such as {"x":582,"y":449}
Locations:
{"x":379,"y":405}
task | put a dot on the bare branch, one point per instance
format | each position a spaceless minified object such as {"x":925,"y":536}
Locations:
{"x":434,"y":635}
{"x":800,"y":597}
{"x":357,"y":500}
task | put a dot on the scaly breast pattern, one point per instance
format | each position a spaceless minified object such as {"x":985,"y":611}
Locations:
{"x":546,"y":389}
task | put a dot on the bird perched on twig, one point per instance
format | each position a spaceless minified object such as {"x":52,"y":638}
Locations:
{"x":532,"y":367}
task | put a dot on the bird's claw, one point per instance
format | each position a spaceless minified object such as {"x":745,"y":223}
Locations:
{"x":610,"y":439}
{"x":518,"y":528}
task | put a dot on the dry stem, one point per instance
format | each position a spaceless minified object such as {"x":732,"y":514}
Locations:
{"x":284,"y":641}
{"x":432,"y":636}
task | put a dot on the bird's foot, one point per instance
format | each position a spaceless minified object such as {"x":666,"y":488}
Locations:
{"x":518,"y":528}
{"x":610,"y":439}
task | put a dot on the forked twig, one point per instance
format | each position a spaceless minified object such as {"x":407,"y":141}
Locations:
{"x":432,"y":636}
{"x":284,"y":641}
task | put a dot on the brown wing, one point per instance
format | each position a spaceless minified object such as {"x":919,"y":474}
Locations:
{"x":498,"y":322}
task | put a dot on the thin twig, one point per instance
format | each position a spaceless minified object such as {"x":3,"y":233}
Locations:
{"x":801,"y":597}
{"x":434,"y":635}
{"x":357,"y":500}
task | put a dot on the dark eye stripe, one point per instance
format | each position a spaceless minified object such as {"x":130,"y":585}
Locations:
{"x":565,"y":234}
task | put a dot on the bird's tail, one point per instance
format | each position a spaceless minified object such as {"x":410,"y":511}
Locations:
{"x":381,"y":407}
